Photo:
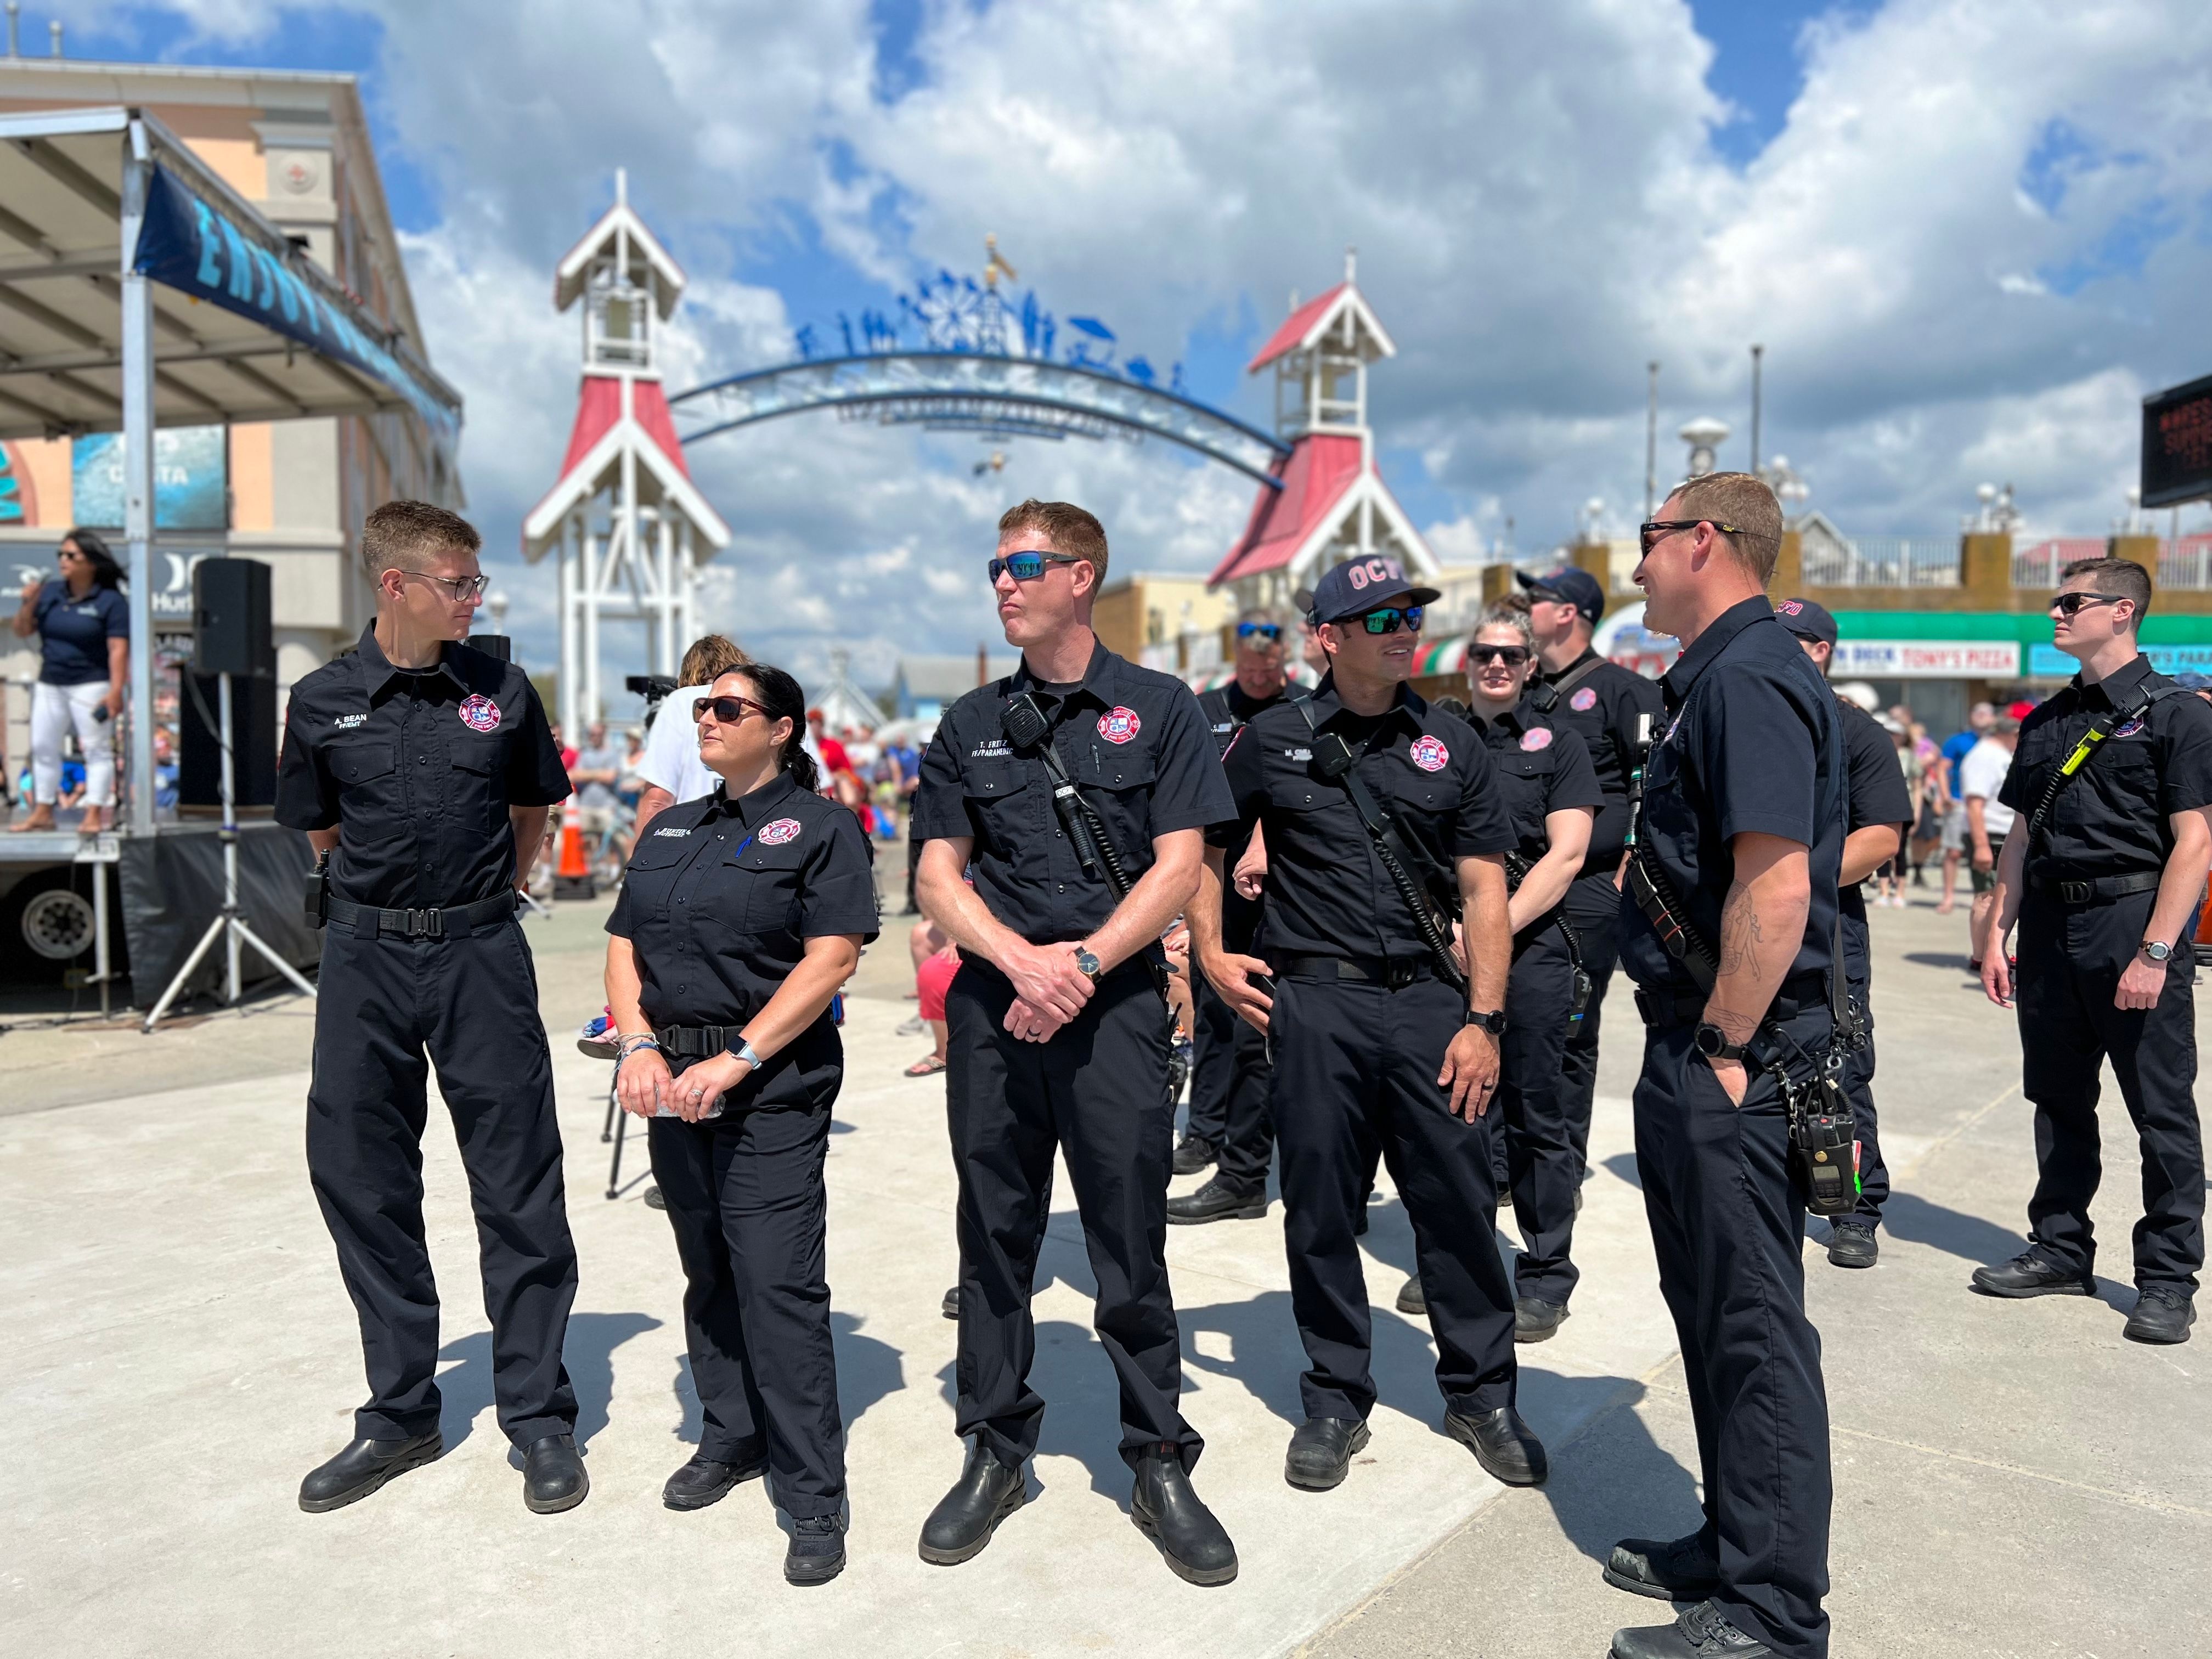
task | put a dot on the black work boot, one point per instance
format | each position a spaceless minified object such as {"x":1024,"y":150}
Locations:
{"x":1501,"y":1443}
{"x":1667,"y":1570}
{"x":364,"y":1466}
{"x":1702,"y":1632}
{"x":951,"y":1306}
{"x":2163,"y":1313}
{"x":1192,"y":1153}
{"x":1534,"y":1319}
{"x":703,"y":1480}
{"x":1852,"y":1243}
{"x":1321,"y":1452}
{"x":987,"y":1493}
{"x":2032,"y":1273}
{"x":553,"y":1478}
{"x":1217,"y":1200}
{"x":1195,"y":1545}
{"x":816,"y":1553}
{"x":1412,"y":1298}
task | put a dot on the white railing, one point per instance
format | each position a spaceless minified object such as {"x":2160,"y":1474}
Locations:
{"x":2038,"y":566}
{"x":1883,"y":562}
{"x":2186,"y":564}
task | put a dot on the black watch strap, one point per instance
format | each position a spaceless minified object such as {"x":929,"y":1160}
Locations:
{"x":1712,"y":1042}
{"x":1494,"y":1022}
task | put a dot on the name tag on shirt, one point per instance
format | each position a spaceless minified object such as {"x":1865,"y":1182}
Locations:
{"x":672,"y":832}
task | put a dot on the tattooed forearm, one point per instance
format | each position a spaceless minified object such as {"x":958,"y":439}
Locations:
{"x":1740,"y":937}
{"x":1762,"y":926}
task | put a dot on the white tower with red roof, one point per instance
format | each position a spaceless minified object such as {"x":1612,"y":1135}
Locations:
{"x":625,"y":523}
{"x":1332,"y":505}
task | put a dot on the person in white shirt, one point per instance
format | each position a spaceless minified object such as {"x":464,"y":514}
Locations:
{"x":1981,"y":775}
{"x":671,"y":769}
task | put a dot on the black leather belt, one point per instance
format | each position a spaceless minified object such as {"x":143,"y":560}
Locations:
{"x":457,"y":921}
{"x":697,"y":1041}
{"x":1394,"y":972}
{"x":2096,"y":889}
{"x":1665,"y":1008}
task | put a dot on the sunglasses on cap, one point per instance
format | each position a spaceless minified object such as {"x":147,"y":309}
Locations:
{"x":1271,"y":632}
{"x":1511,"y":655}
{"x":1027,"y":567}
{"x":1386,"y":620}
{"x":729,"y":710}
{"x":2072,"y":605}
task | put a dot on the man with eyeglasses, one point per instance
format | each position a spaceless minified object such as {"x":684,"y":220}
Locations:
{"x":1229,"y":1124}
{"x":1729,"y":934}
{"x":1381,"y":1040}
{"x":1076,"y":774}
{"x":423,"y":772}
{"x":1600,"y":702}
{"x":2111,"y":782}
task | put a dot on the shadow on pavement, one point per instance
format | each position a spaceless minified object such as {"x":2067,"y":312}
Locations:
{"x":466,"y":1388}
{"x":1615,"y":1481}
{"x":1971,"y":1238}
{"x":1623,"y":1164}
{"x":867,"y":1370}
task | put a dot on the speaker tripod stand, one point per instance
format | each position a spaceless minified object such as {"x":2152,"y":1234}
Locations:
{"x":229,"y":923}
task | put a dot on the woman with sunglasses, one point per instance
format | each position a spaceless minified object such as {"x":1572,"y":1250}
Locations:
{"x":741,"y":914}
{"x":1551,"y":792}
{"x":82,"y":623}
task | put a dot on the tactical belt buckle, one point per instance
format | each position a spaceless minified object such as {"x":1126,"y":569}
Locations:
{"x":1398,"y":972}
{"x":2076,"y":892}
{"x":425,"y":924}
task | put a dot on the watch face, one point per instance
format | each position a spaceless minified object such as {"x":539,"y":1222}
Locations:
{"x":2158,"y":952}
{"x":1086,"y":963}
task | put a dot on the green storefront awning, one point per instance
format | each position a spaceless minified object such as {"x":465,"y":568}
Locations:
{"x":2026,"y":627}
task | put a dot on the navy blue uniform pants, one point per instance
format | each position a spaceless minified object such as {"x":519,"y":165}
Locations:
{"x":469,"y":1004}
{"x":2070,"y":961}
{"x":1593,"y":906}
{"x":1229,"y":1091}
{"x":746,"y":1200}
{"x":1097,"y":1092}
{"x":1542,"y":1166}
{"x":1857,"y":1078}
{"x":1355,"y":1072}
{"x":1727,"y":1225}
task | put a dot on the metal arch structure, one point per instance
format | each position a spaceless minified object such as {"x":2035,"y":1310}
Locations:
{"x":971,"y":390}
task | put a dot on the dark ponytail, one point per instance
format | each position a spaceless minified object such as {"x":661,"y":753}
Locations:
{"x":105,"y":573}
{"x":778,"y":693}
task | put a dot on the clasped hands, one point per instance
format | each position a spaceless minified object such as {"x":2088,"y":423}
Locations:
{"x":644,"y":1084}
{"x":1049,"y":989}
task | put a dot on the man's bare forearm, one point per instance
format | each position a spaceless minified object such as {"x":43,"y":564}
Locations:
{"x":2004,"y":906}
{"x":1867,"y":850}
{"x":1486,"y":929}
{"x":1203,"y":913}
{"x":1157,"y":898}
{"x":529,"y":823}
{"x":1762,"y":925}
{"x":2182,"y":882}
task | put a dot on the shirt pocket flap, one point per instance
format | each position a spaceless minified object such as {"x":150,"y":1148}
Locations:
{"x":758,"y":856}
{"x":475,"y":753}
{"x":994,"y":779}
{"x":360,"y":762}
{"x":1114,"y":766}
{"x":659,"y":847}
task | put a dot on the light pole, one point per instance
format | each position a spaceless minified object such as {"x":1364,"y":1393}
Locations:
{"x":1758,"y":352}
{"x":1651,"y":441}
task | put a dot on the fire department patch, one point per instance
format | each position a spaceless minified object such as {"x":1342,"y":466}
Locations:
{"x":1429,"y":754}
{"x":1583,"y":700}
{"x":2128,"y":730}
{"x":1119,"y":725}
{"x":480,"y":713}
{"x":1538,"y":737}
{"x":782,"y":831}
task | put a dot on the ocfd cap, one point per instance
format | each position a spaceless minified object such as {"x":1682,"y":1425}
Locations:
{"x":1358,"y":585}
{"x":1807,"y":620}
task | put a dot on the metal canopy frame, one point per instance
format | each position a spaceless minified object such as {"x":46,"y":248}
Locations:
{"x":967,"y":391}
{"x":89,"y":343}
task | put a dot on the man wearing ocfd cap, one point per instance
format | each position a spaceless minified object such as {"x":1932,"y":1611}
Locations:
{"x":1599,"y":701}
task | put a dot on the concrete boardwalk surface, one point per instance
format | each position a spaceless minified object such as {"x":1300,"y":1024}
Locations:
{"x":176,"y":1351}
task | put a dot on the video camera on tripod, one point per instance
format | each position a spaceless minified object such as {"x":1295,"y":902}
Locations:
{"x":655,"y":688}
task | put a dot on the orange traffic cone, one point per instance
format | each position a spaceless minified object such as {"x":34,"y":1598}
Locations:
{"x":572,"y":879}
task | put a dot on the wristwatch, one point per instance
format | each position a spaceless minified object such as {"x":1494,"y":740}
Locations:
{"x":1086,"y":963}
{"x":744,"y":1051}
{"x":2156,"y":949}
{"x":1712,"y":1042}
{"x":1494,"y":1022}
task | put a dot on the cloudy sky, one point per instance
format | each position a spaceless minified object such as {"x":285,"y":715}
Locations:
{"x":1971,"y":235}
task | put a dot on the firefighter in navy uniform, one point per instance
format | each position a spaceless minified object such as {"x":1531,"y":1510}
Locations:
{"x":1730,"y":938}
{"x":1600,"y":702}
{"x":1382,"y":1042}
{"x":1229,"y":1125}
{"x":1878,"y":813}
{"x":1079,"y":787}
{"x":2112,"y":781}
{"x":423,"y":771}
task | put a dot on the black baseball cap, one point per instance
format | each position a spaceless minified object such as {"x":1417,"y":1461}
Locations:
{"x":1807,"y":620}
{"x":1570,"y":585}
{"x":1358,"y":585}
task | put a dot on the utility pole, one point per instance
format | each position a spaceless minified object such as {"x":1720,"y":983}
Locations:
{"x":1651,"y":442}
{"x":1757,"y":352}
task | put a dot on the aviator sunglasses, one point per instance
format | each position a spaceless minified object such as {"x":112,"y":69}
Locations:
{"x":1027,"y":567}
{"x":1511,"y":655}
{"x":729,"y":710}
{"x":1386,"y":620}
{"x":1271,"y":632}
{"x":2072,"y":605}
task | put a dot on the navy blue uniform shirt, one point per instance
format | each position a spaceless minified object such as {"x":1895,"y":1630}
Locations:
{"x":73,"y":634}
{"x":1543,"y":767}
{"x":722,"y":896}
{"x":1133,"y":740}
{"x":2109,"y":819}
{"x":1328,"y":893}
{"x":1751,"y":743}
{"x":1601,"y":708}
{"x":1876,"y":787}
{"x":416,"y":770}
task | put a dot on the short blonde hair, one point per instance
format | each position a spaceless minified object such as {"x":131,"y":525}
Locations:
{"x":412,"y":535}
{"x":1743,"y":509}
{"x":1069,"y":529}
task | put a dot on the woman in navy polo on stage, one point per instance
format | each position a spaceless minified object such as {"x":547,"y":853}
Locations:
{"x":83,"y":625}
{"x":741,"y":914}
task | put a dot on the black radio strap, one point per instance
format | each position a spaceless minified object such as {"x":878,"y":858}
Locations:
{"x":1546,"y":697}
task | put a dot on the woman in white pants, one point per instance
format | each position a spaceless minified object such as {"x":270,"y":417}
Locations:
{"x":83,"y":626}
